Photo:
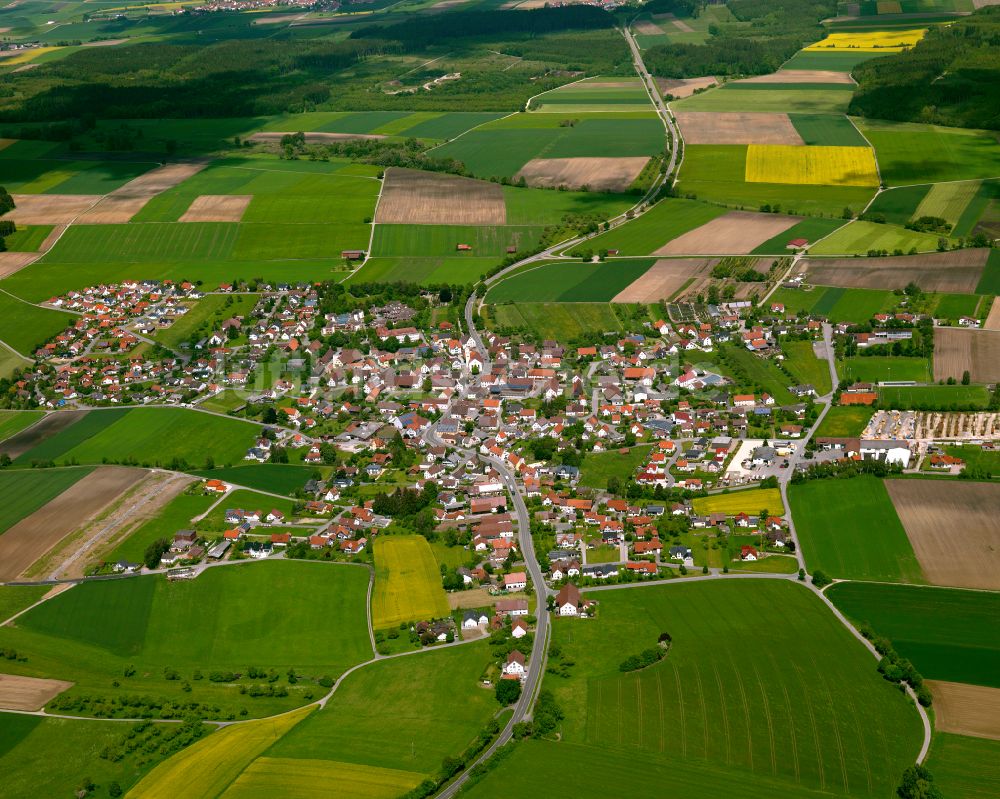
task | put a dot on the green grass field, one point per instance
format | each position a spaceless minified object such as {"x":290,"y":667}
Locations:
{"x":949,"y":634}
{"x":443,"y":240}
{"x":833,"y":130}
{"x":50,"y":176}
{"x":147,"y":435}
{"x":15,"y":598}
{"x":841,"y":61}
{"x":915,"y":153}
{"x":928,"y":398}
{"x":24,"y":492}
{"x":407,"y":582}
{"x":965,"y":767}
{"x":751,"y":501}
{"x":801,"y":361}
{"x":954,"y":306}
{"x":801,"y":708}
{"x":597,"y":468}
{"x":849,"y":528}
{"x":876,"y":368}
{"x":559,"y":321}
{"x":279,"y":478}
{"x":899,"y":205}
{"x":989,"y":283}
{"x":397,"y":731}
{"x":546,"y":207}
{"x":206,"y":315}
{"x":844,"y":421}
{"x":757,"y":375}
{"x":836,"y":304}
{"x":27,"y":239}
{"x":812,"y":229}
{"x":26,"y":327}
{"x":832,"y":99}
{"x":563,"y":281}
{"x":977,"y":458}
{"x":948,"y":201}
{"x":664,"y":222}
{"x":859,"y":237}
{"x":13,"y":422}
{"x":174,"y":516}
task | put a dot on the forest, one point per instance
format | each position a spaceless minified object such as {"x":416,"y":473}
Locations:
{"x":950,"y":78}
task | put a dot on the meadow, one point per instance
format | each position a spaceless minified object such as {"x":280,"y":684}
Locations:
{"x":279,"y":478}
{"x":15,"y":598}
{"x":948,"y":633}
{"x":559,"y":321}
{"x":756,"y":375}
{"x":810,"y":229}
{"x":844,"y":421}
{"x":910,"y":153}
{"x":598,"y":467}
{"x":751,"y":501}
{"x":148,"y":435}
{"x":876,"y":368}
{"x":28,"y":238}
{"x":26,"y":327}
{"x":563,"y":281}
{"x":429,"y":706}
{"x":665,"y":221}
{"x":454,"y":269}
{"x":836,"y":303}
{"x":207,"y":314}
{"x":965,"y":767}
{"x":407,"y":582}
{"x":848,"y":528}
{"x":806,"y":368}
{"x":827,"y":130}
{"x":29,"y":175}
{"x":24,"y":492}
{"x":443,"y":240}
{"x":803,"y":705}
{"x":833,"y":60}
{"x":77,"y":431}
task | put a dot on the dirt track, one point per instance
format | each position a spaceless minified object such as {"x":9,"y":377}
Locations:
{"x":957,"y":349}
{"x":966,"y":709}
{"x":663,"y":279}
{"x":954,"y":528}
{"x":31,"y":538}
{"x":217,"y":208}
{"x":28,"y":693}
{"x":597,"y":174}
{"x":48,"y":426}
{"x":955,"y":272}
{"x":433,"y":198}
{"x":735,"y":233}
{"x":707,"y":127}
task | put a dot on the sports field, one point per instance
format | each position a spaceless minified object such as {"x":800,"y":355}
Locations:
{"x":750,"y":502}
{"x":947,"y":633}
{"x":874,"y":369}
{"x":803,"y":705}
{"x":407,"y":582}
{"x":849,"y":529}
{"x":928,"y":398}
{"x":569,"y":282}
{"x":844,"y":421}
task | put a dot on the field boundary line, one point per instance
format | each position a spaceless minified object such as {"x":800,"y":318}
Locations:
{"x":746,"y":710}
{"x":835,"y":725}
{"x":815,"y":729}
{"x":291,"y":172}
{"x":791,"y":725}
{"x":770,"y":721}
{"x":474,"y":127}
{"x":704,"y":706}
{"x":680,"y":706}
{"x":725,"y":715}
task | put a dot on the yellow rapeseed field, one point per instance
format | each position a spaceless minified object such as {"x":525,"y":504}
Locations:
{"x":750,"y":502}
{"x":281,"y":776}
{"x":871,"y":41}
{"x":407,"y":582}
{"x":817,"y":166}
{"x":206,"y":768}
{"x":24,"y":56}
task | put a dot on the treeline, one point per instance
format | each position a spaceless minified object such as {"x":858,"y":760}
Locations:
{"x":777,"y":30}
{"x":225,"y":79}
{"x":894,"y":668}
{"x":409,"y":153}
{"x":949,"y":78}
{"x":423,"y":31}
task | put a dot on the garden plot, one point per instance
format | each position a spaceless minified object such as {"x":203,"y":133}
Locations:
{"x":597,"y":174}
{"x":31,"y":538}
{"x":50,"y":209}
{"x":28,"y":693}
{"x":217,"y":208}
{"x":428,"y":198}
{"x":965,"y":709}
{"x":125,"y":202}
{"x":954,"y":529}
{"x":684,"y":87}
{"x":955,"y":272}
{"x":735,"y":233}
{"x":957,"y":350}
{"x":707,"y":127}
{"x":663,"y":280}
{"x":802,"y":76}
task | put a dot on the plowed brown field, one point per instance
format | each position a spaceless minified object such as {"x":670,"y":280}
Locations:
{"x":957,"y":349}
{"x":955,"y":272}
{"x":433,"y":198}
{"x":966,"y":709}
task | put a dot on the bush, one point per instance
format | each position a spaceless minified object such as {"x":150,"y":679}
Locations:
{"x":508,"y":692}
